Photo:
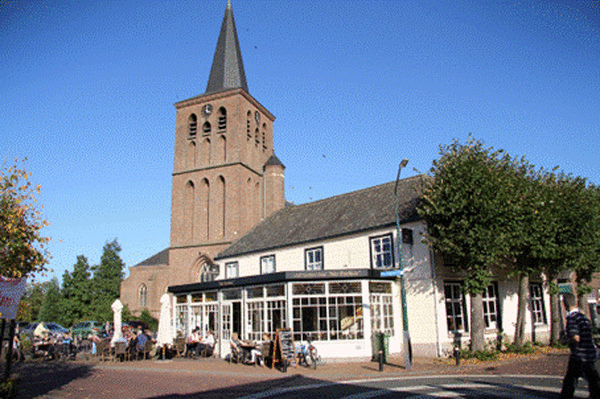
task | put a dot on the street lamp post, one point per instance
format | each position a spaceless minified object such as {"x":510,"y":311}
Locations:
{"x":406,"y":344}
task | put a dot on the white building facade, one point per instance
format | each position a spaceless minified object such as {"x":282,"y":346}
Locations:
{"x":317,"y":269}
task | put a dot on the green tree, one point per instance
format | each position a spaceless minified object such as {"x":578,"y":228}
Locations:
{"x":31,"y":302}
{"x":465,"y":205}
{"x":51,"y":305}
{"x":529,"y":239}
{"x":76,"y":291}
{"x":146,"y":317}
{"x":106,"y":283}
{"x":22,"y":248}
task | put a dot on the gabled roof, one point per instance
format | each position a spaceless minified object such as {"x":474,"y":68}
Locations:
{"x":161,"y":258}
{"x":273,"y":160}
{"x":227,"y":71}
{"x":341,"y":215}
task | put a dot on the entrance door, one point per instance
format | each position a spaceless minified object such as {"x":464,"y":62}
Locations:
{"x":231,"y":319}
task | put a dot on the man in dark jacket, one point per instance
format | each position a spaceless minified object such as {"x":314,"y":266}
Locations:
{"x":583,"y":351}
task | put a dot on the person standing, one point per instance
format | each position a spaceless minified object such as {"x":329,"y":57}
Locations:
{"x":583,"y":351}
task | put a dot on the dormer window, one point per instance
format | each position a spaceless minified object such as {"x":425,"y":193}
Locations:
{"x":193,"y":125}
{"x":222,"y":120}
{"x":206,"y":128}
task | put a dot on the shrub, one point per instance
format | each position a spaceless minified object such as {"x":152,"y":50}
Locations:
{"x":8,"y":389}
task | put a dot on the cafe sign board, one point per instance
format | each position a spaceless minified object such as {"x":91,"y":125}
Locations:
{"x":11,"y":291}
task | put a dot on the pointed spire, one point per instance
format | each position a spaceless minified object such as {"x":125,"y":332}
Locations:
{"x":227,"y":71}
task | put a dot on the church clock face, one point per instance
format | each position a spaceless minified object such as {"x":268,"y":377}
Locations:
{"x":207,"y":110}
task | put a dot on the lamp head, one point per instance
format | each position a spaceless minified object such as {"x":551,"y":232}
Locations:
{"x":403,"y":163}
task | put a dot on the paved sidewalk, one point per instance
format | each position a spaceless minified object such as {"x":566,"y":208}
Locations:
{"x":553,"y":363}
{"x":216,"y":378}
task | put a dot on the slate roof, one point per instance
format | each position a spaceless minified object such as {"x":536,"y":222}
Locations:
{"x":161,"y":258}
{"x":227,"y":71}
{"x":341,"y":215}
{"x":273,"y":160}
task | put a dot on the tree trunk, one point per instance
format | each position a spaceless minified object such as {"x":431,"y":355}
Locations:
{"x":521,"y":309}
{"x":555,"y":316}
{"x":477,"y":323}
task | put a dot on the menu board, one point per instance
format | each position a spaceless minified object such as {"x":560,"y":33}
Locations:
{"x":283,"y":349}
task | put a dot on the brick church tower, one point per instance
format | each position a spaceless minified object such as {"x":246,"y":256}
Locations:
{"x":226,"y":178}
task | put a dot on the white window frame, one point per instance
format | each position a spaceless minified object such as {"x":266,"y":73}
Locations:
{"x":455,"y":307}
{"x":490,"y":306}
{"x":310,"y":258}
{"x":267,"y":264}
{"x":382,"y":247}
{"x":232,"y":270}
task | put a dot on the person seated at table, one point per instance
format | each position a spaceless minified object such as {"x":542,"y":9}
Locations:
{"x":48,"y":347}
{"x":193,"y":342}
{"x":206,"y":344}
{"x":137,"y":346}
{"x":256,"y":354}
{"x":236,"y":347}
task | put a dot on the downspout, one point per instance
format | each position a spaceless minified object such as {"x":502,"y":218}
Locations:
{"x":435,"y":304}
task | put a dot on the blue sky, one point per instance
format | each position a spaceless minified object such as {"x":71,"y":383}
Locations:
{"x":87,"y":92}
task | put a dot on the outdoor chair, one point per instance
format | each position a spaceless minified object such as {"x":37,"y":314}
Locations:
{"x":206,"y":351}
{"x":266,"y":350}
{"x":121,"y":352}
{"x":103,"y":349}
{"x":147,"y":349}
{"x":180,"y":347}
{"x":236,"y":354}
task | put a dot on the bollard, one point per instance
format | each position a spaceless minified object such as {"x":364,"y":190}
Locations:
{"x":380,"y":360}
{"x":457,"y":355}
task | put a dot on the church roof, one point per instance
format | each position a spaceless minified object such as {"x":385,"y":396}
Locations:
{"x":161,"y":258}
{"x":341,"y":215}
{"x":273,"y":160}
{"x":227,"y":71}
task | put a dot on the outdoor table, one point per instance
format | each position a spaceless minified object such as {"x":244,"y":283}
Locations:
{"x":246,"y":350}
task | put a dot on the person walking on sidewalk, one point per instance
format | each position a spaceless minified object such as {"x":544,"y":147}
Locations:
{"x":583,"y":351}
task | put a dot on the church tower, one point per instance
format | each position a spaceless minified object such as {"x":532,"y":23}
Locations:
{"x":226,"y":177}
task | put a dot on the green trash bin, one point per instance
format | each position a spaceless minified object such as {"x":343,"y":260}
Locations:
{"x":381,"y":342}
{"x":385,"y":344}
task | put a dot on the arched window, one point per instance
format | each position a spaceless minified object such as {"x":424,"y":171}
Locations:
{"x":264,"y":140}
{"x":205,"y":152}
{"x":207,"y":273}
{"x":221,"y":188}
{"x":221,"y":150}
{"x":191,"y":156}
{"x":189,"y":211}
{"x":143,"y":296}
{"x":222,"y":120}
{"x":193,"y":125}
{"x":206,"y":128}
{"x":248,"y":129}
{"x":256,"y":138}
{"x":204,"y":210}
